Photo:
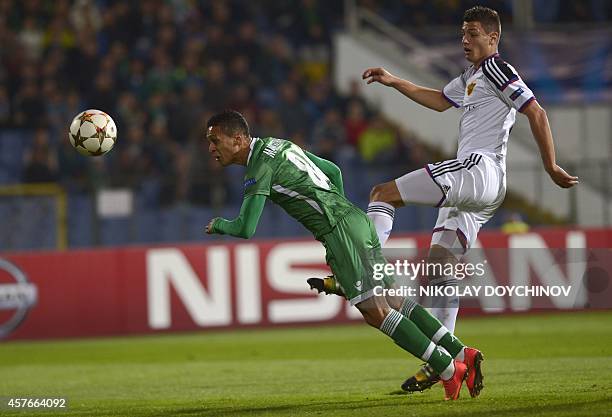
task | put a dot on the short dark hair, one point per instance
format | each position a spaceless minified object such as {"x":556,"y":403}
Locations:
{"x":488,"y":18}
{"x":230,"y":122}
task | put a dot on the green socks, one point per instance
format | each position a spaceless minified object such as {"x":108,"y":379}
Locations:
{"x":432,"y":328}
{"x":409,"y":337}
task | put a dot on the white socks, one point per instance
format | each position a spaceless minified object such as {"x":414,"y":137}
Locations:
{"x":447,"y":316}
{"x":382,"y":215}
{"x":461,"y":355}
{"x":448,"y":372}
{"x":445,"y":308}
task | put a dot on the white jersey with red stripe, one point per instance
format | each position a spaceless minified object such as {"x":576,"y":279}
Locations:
{"x":490,"y":96}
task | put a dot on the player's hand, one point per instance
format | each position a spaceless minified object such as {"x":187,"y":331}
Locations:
{"x":380,"y":75}
{"x":209,"y":226}
{"x":562,"y":178}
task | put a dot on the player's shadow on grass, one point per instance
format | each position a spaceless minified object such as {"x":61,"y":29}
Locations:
{"x":298,"y":409}
{"x":328,"y":407}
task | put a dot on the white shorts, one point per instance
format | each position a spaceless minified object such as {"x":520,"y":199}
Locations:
{"x":473,"y":188}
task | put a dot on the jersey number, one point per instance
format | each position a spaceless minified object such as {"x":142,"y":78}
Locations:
{"x":301,"y":161}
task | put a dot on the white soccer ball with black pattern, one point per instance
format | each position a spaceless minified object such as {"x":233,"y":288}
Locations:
{"x":93,"y":133}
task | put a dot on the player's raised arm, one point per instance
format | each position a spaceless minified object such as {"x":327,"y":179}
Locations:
{"x":428,"y":97}
{"x":329,"y":168}
{"x":245,"y":224}
{"x":538,"y":121}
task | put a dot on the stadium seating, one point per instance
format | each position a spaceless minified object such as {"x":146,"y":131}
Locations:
{"x":160,"y":88}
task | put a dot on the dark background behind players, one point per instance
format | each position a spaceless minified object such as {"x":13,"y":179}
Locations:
{"x":161,"y":68}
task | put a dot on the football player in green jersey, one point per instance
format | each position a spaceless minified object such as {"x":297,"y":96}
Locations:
{"x":310,"y":190}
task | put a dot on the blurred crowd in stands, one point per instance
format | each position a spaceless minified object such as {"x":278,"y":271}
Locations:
{"x":160,"y":69}
{"x":421,"y":13}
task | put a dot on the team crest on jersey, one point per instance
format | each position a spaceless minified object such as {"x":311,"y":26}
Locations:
{"x":470,"y":88}
{"x":249,"y":182}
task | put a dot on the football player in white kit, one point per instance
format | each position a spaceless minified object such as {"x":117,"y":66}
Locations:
{"x":471,"y":187}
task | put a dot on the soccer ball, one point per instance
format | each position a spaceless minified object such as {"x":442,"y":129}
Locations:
{"x":92,"y":133}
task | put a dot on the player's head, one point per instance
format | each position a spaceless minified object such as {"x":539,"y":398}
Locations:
{"x":229,"y":137}
{"x":481,"y":31}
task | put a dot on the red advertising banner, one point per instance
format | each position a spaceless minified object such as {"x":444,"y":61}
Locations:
{"x":97,"y":292}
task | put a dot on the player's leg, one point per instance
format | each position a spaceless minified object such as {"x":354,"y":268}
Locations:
{"x":475,"y":187}
{"x":426,"y":376}
{"x":447,"y":247}
{"x":416,"y":187}
{"x":476,"y":184}
{"x":408,"y":336}
{"x":352,"y":252}
{"x":433,"y":329}
{"x":384,"y":199}
{"x":445,"y":309}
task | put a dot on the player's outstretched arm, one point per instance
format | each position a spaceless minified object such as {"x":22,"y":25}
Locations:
{"x":538,"y":121}
{"x":427,"y":97}
{"x":245,"y":224}
{"x":329,"y":168}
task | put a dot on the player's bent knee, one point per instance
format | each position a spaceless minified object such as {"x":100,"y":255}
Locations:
{"x":374,"y":319}
{"x":387,"y":193}
{"x":376,"y":193}
{"x":395,"y":302}
{"x":449,"y":248}
{"x":374,"y":315}
{"x":438,"y":251}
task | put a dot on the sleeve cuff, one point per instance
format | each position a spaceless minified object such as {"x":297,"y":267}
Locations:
{"x":450,"y":101}
{"x":525,"y":104}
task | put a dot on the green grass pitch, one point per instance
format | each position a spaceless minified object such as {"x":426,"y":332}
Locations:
{"x":537,"y":365}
